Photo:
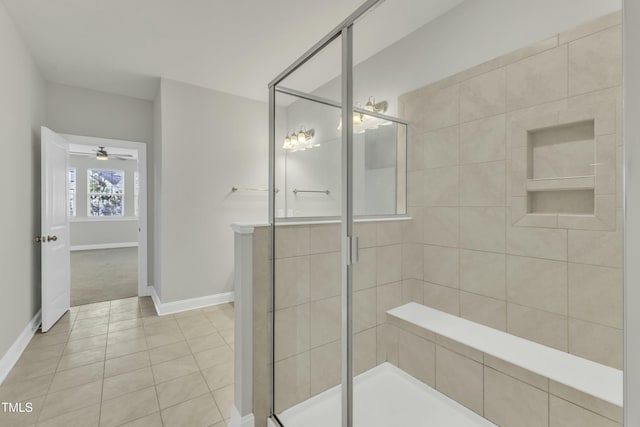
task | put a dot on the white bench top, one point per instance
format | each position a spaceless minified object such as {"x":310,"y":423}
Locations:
{"x":581,"y":374}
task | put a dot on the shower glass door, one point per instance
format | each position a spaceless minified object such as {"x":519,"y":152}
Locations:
{"x":307,"y":213}
{"x":333,"y":160}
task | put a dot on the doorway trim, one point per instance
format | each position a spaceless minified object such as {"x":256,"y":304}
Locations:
{"x":141,"y":148}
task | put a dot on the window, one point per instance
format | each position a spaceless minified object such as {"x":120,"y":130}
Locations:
{"x":72,"y":192}
{"x":106,"y":192}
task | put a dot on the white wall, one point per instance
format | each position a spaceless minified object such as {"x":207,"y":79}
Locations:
{"x":21,"y":115}
{"x":89,"y":231}
{"x":210,"y":142}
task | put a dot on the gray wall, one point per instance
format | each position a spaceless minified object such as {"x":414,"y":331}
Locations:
{"x":21,"y":115}
{"x":103,"y":230}
{"x":85,"y":112}
{"x":107,"y":232}
{"x":210,"y":142}
{"x":155,"y":176}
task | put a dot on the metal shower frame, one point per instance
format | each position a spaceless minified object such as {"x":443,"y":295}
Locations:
{"x":349,"y":241}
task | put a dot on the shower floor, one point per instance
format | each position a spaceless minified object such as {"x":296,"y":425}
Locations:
{"x":385,"y":396}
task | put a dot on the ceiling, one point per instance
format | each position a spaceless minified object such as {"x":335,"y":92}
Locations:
{"x":235,"y":46}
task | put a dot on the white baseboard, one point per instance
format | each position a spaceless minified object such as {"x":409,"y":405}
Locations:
{"x":271,"y":423}
{"x":188,"y":304}
{"x":12,"y":355}
{"x":238,"y":421}
{"x":104,"y":246}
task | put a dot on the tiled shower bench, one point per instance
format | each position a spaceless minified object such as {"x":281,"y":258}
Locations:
{"x":509,"y":380}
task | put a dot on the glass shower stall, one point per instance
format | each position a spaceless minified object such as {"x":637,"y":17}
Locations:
{"x":445,"y":214}
{"x":333,"y":159}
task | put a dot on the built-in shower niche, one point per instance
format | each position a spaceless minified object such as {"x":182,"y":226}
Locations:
{"x":561,"y":169}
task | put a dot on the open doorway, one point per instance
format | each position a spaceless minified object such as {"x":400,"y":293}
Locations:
{"x":107,"y":219}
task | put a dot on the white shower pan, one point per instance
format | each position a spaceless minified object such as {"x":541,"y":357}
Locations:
{"x":384,"y":396}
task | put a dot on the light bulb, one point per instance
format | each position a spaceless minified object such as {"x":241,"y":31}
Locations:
{"x":370,"y":105}
{"x":294,"y":139}
{"x":302,"y":138}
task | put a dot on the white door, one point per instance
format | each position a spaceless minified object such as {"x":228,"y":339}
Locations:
{"x":56,"y":281}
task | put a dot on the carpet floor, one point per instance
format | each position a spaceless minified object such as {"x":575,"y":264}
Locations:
{"x":103,"y":275}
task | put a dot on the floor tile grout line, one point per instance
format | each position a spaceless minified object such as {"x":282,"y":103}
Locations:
{"x":104,"y":366}
{"x":124,"y":394}
{"x":46,"y":396}
{"x":200,"y":369}
{"x":153,"y":375}
{"x":48,"y":393}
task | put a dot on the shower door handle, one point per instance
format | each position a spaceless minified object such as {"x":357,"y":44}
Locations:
{"x":355,"y":250}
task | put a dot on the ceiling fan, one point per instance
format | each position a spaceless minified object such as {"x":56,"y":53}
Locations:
{"x":102,"y":154}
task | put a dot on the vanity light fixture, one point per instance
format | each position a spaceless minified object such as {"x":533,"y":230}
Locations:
{"x":358,"y":118}
{"x":363,"y":122}
{"x":299,"y":141}
{"x":376,"y":107}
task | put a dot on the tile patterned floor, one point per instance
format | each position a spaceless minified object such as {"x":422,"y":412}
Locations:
{"x":117,"y":363}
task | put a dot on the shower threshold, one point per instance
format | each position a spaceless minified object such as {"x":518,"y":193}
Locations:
{"x":384,"y":396}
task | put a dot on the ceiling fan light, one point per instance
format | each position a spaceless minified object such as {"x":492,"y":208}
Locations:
{"x":101,"y":154}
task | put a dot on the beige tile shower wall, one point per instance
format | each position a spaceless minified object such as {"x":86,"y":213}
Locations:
{"x":554,"y":282}
{"x":262,"y":296}
{"x":308,"y":293}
